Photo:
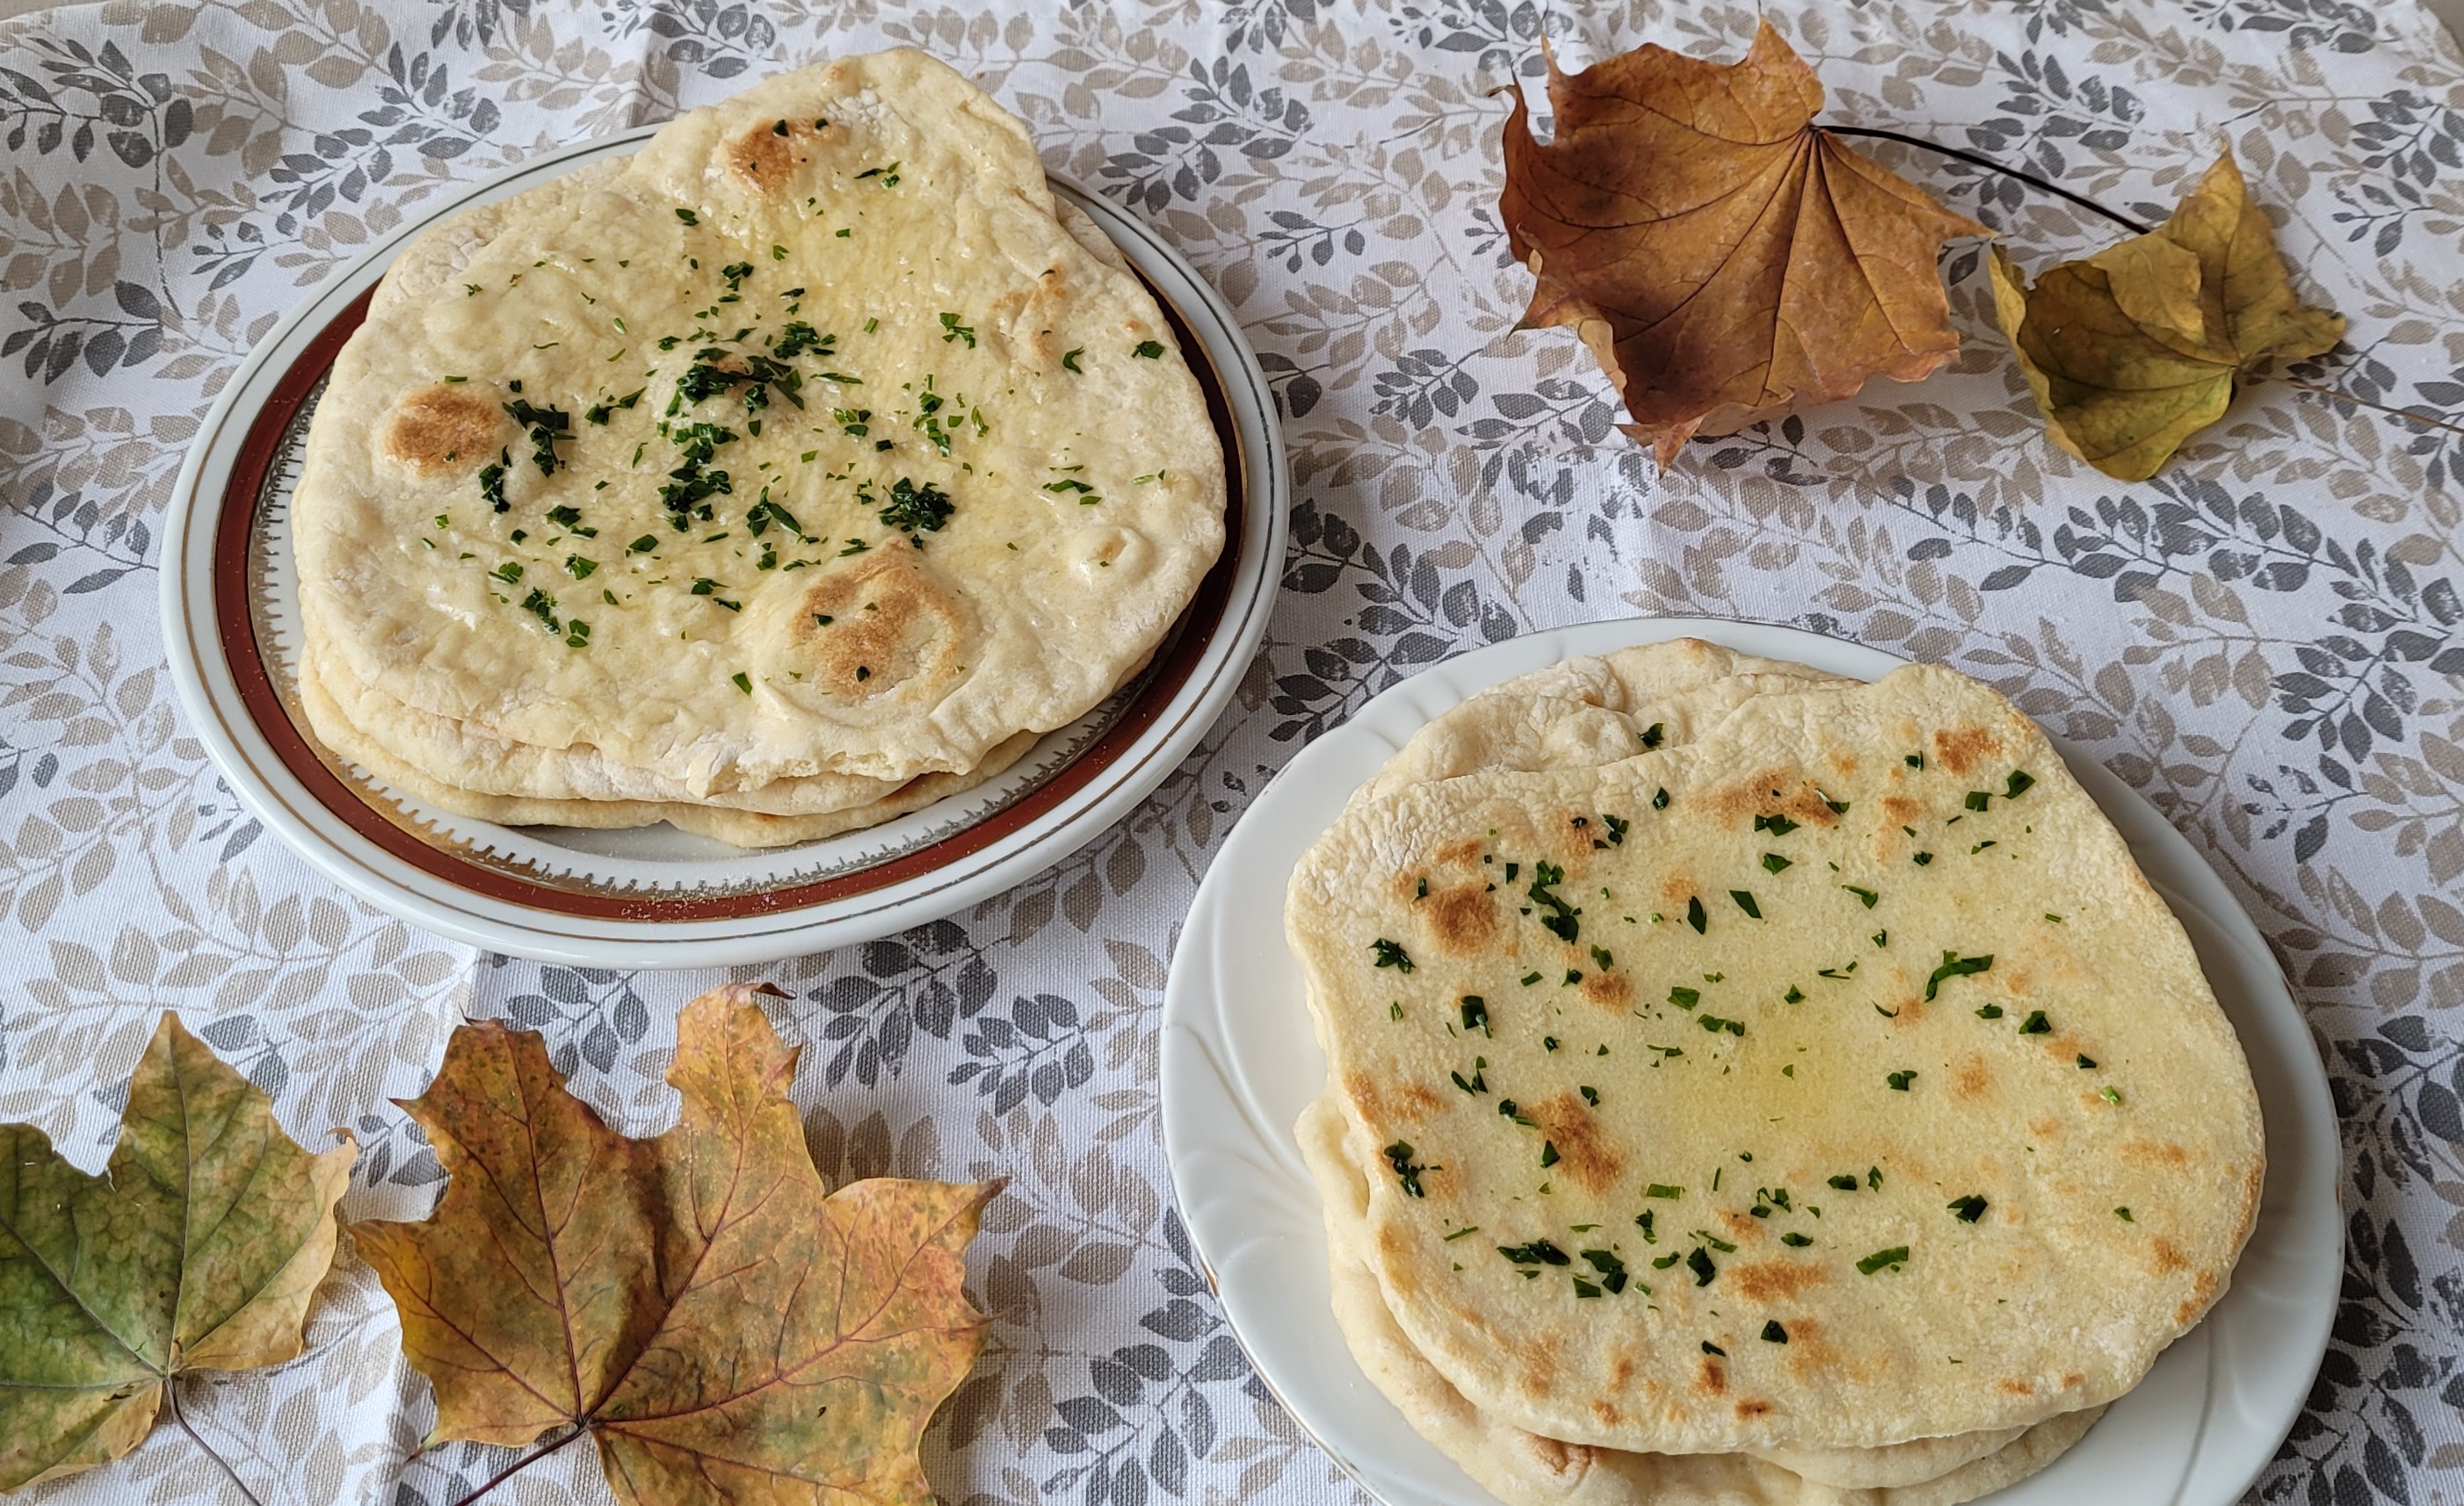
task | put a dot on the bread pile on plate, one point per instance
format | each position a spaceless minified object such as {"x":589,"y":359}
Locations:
{"x":1747,"y":1086}
{"x":788,"y":475}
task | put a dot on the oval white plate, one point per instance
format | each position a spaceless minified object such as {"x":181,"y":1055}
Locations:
{"x":657,"y":897}
{"x":1241,"y":1060}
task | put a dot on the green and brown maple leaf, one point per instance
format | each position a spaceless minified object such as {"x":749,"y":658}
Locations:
{"x":197,"y":1248}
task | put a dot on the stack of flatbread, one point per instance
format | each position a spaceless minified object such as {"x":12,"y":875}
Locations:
{"x":783,"y":477}
{"x":1754,"y":1087}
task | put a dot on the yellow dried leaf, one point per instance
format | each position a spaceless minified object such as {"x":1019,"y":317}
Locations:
{"x":2139,"y":346}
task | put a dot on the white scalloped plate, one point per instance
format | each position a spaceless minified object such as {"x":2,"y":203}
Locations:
{"x":1241,"y":1060}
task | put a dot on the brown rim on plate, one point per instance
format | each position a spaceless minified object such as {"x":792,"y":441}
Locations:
{"x":237,"y":633}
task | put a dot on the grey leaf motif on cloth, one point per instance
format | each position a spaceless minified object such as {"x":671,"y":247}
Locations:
{"x":2268,"y":641}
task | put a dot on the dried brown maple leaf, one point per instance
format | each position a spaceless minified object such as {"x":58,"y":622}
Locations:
{"x":724,"y":1326}
{"x":1723,"y":257}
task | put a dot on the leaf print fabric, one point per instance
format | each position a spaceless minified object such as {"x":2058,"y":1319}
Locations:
{"x":2268,"y":639}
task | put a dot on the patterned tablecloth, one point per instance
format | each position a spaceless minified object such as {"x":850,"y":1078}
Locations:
{"x":2264,"y":639}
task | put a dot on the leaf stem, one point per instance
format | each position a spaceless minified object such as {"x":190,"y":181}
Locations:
{"x":1990,"y":165}
{"x":519,"y":1464}
{"x":2408,"y":414}
{"x":171,"y":1395}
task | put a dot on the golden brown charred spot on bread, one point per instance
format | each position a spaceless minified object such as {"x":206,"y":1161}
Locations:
{"x":2252,"y":1184}
{"x":1611,"y":990}
{"x":1585,"y":1152}
{"x":766,"y":156}
{"x":1462,"y":920}
{"x":1970,"y":1079}
{"x":1739,"y":1222}
{"x":1368,"y":1096}
{"x":2014,"y":1387}
{"x":1749,"y":1411}
{"x":1809,"y":1346}
{"x":1538,"y":1364}
{"x":2168,"y":1257}
{"x":1772,"y":792}
{"x":1715,"y":1375}
{"x":2155,"y":1153}
{"x":1382,"y":1108}
{"x":1901,"y":810}
{"x":1464,"y":854}
{"x":1961,"y":749}
{"x":437,"y":428}
{"x":2203,"y":1290}
{"x":1605,"y":1412}
{"x":1621,"y":1372}
{"x":880,"y":624}
{"x":1773,"y":1280}
{"x":1570,"y":845}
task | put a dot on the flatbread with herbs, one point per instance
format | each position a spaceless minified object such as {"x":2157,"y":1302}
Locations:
{"x":1832,"y":1081}
{"x":809,"y":451}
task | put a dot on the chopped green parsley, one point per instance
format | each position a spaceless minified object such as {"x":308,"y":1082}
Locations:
{"x":1955,"y":966}
{"x":492,"y":482}
{"x":1474,"y":1009}
{"x":913,"y":509}
{"x":1399,"y":1155}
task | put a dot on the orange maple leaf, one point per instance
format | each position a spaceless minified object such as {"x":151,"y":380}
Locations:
{"x":1723,"y":257}
{"x":725,"y":1327}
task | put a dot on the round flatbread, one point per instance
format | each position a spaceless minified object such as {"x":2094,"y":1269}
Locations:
{"x":1527,"y":1468}
{"x":831,"y":454}
{"x":738,"y":828}
{"x":1916,"y":1118}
